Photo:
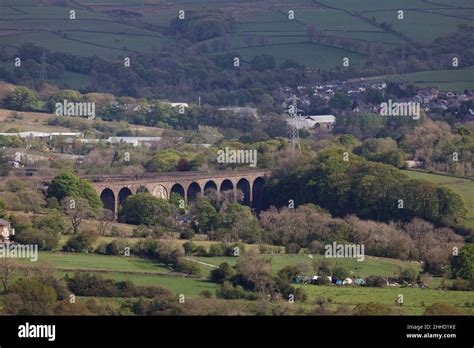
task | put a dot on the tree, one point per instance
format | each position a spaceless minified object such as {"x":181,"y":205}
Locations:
{"x":80,"y":243}
{"x":340,"y":272}
{"x":77,"y":209}
{"x":242,"y":223}
{"x":7,"y":271}
{"x":263,"y":62}
{"x":189,"y":248}
{"x":254,"y":273}
{"x":463,"y":265}
{"x":106,"y":219}
{"x":69,"y":185}
{"x":340,"y":101}
{"x":22,"y":99}
{"x":30,"y":296}
{"x":207,"y":216}
{"x":222,"y":274}
{"x":145,"y":209}
{"x":3,"y":208}
{"x":4,"y":165}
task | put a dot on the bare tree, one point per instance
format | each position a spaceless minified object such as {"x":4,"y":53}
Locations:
{"x":7,"y":270}
{"x":77,"y":209}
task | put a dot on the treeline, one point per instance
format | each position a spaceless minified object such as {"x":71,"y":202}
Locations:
{"x":152,"y":113}
{"x":436,"y":144}
{"x":345,"y":183}
{"x":197,"y":65}
{"x":176,"y":73}
{"x":437,"y":55}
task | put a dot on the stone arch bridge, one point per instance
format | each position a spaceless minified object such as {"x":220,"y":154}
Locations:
{"x":113,"y":190}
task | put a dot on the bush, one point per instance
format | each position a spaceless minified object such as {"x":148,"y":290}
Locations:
{"x":189,"y":248}
{"x":288,"y":273}
{"x":239,"y":247}
{"x":463,"y":264}
{"x":115,"y":247}
{"x":205,"y":294}
{"x":340,"y":272}
{"x":30,"y":297}
{"x":216,"y":250}
{"x":293,"y":248}
{"x":187,"y":233}
{"x":316,"y":247}
{"x":229,"y":292}
{"x":463,"y":285}
{"x":438,"y":308}
{"x":188,"y":267}
{"x":45,"y":240}
{"x":200,"y":251}
{"x":375,"y":281}
{"x":86,"y":284}
{"x":408,"y":274}
{"x":79,"y":243}
{"x":372,"y":308}
{"x":221,"y":274}
{"x":143,"y":208}
{"x":322,"y":280}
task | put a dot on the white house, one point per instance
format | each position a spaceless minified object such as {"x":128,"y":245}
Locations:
{"x":6,"y":230}
{"x":313,"y":122}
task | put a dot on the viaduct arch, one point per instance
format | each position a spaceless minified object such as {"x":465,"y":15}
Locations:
{"x":114,"y":190}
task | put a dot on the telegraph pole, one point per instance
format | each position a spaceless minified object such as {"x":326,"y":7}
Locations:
{"x":44,"y":74}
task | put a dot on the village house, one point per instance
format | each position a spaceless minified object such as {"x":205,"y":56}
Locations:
{"x":6,"y":230}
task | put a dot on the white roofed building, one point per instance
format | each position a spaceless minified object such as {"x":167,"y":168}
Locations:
{"x":314,"y":122}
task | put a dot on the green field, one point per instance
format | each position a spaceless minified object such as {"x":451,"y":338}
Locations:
{"x":140,"y":272}
{"x":446,"y":80}
{"x":463,"y":187}
{"x":370,"y":265}
{"x":96,"y":30}
{"x":415,"y":300}
{"x":189,"y":287}
{"x":80,"y":261}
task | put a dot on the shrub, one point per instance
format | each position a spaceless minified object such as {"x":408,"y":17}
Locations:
{"x":409,"y":274}
{"x":79,"y":243}
{"x":293,"y":248}
{"x":216,"y":250}
{"x":221,"y":274}
{"x":188,"y":267}
{"x":372,"y":308}
{"x":229,"y":292}
{"x":205,"y":294}
{"x":461,"y":284}
{"x":340,"y":272}
{"x":86,"y":284}
{"x":316,"y":247}
{"x":189,"y":248}
{"x":201,"y":251}
{"x":438,"y":308}
{"x":288,"y":273}
{"x":375,"y":281}
{"x":187,"y":233}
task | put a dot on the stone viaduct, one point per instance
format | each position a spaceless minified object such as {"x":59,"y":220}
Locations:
{"x":114,"y":189}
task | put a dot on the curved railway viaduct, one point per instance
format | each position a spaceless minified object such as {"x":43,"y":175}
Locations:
{"x":114,"y":189}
